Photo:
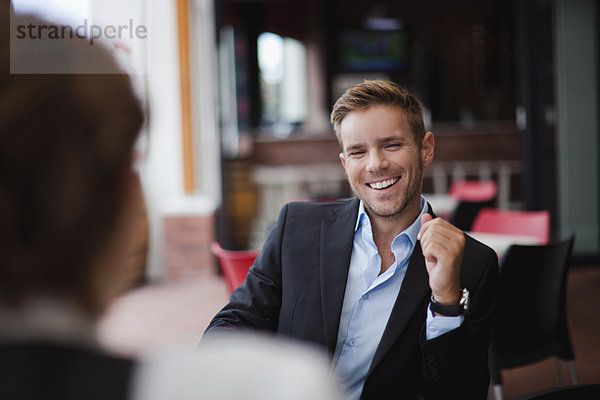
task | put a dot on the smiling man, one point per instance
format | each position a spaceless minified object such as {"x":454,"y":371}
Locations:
{"x":402,"y":300}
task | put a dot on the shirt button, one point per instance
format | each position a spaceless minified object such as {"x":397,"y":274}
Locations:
{"x":352,"y":342}
{"x":366,"y":296}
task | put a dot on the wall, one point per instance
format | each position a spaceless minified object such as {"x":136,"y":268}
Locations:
{"x":578,"y":125}
{"x":162,"y":172}
{"x":181,"y":224}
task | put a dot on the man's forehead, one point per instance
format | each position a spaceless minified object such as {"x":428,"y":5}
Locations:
{"x":380,"y":123}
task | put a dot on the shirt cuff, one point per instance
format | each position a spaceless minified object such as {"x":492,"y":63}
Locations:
{"x":439,"y":325}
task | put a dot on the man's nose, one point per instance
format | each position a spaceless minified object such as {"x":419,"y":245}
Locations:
{"x":377,"y":161}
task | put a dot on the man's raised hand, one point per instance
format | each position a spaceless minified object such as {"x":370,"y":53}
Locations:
{"x":442,"y":244}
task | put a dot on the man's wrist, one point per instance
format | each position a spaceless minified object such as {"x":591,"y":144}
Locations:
{"x":447,"y":300}
{"x":448,"y":293}
{"x":459,"y":307}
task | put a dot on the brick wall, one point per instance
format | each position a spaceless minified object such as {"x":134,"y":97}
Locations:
{"x":187,"y":246}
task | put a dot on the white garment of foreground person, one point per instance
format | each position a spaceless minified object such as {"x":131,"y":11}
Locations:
{"x":239,"y":366}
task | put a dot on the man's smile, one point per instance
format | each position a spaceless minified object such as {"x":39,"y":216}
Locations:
{"x":383,"y":184}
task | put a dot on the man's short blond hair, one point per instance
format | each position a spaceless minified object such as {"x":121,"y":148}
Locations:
{"x":379,"y":92}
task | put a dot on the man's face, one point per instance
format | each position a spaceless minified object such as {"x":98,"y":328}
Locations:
{"x":383,"y":162}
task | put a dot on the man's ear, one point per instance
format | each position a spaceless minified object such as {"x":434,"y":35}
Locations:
{"x":427,"y":149}
{"x":343,"y":159}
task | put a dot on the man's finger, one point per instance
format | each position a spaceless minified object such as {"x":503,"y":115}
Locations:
{"x":424,"y":219}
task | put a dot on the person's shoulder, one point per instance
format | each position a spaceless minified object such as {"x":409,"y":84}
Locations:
{"x":478,"y":259}
{"x":90,"y":372}
{"x":476,"y":248}
{"x":321,"y":209}
{"x":66,"y":353}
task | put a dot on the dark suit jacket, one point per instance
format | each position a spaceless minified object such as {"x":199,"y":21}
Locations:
{"x":33,"y":371}
{"x":297,"y":284}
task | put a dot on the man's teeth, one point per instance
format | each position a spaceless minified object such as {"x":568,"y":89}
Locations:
{"x":383,"y":184}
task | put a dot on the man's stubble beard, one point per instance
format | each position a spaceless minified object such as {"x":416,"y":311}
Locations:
{"x":414,"y":191}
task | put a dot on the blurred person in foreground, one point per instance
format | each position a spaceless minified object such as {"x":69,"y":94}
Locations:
{"x":65,"y":219}
{"x":402,"y":300}
{"x":66,"y":202}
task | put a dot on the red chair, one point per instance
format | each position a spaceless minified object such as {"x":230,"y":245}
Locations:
{"x":234,"y":264}
{"x":529,"y":223}
{"x":473,"y":191}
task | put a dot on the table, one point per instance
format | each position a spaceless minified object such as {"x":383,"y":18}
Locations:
{"x":500,"y":242}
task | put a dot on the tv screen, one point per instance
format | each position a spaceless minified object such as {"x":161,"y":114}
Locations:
{"x":365,"y":50}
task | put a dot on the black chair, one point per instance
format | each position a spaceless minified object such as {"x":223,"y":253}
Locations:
{"x":466,"y":211}
{"x":472,"y":196}
{"x":530,"y":321}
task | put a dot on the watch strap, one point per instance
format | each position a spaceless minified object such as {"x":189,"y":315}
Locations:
{"x":451,"y":310}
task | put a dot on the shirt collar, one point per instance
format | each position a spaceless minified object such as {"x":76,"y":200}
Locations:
{"x":412,"y":231}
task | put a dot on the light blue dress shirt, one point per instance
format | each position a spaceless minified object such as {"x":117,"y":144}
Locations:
{"x":369,"y":299}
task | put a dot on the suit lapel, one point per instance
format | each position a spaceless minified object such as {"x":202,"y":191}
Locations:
{"x":415,"y":287}
{"x":337,"y":237}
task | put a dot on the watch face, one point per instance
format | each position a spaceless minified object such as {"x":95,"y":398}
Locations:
{"x":464,"y":301}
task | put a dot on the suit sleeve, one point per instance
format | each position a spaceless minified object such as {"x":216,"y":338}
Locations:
{"x":256,"y":303}
{"x":455,"y":364}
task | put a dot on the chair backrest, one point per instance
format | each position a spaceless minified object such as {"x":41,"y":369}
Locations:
{"x":465,"y":212}
{"x":234,"y":264}
{"x":472,"y":196}
{"x":473,"y":191}
{"x":530,"y":223}
{"x":530,"y":321}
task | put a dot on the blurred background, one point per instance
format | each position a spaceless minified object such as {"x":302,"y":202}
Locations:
{"x":238,"y":94}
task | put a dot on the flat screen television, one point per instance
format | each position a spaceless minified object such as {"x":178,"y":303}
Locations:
{"x":372,"y":50}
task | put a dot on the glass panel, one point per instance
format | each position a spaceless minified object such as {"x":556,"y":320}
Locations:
{"x":282,"y":65}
